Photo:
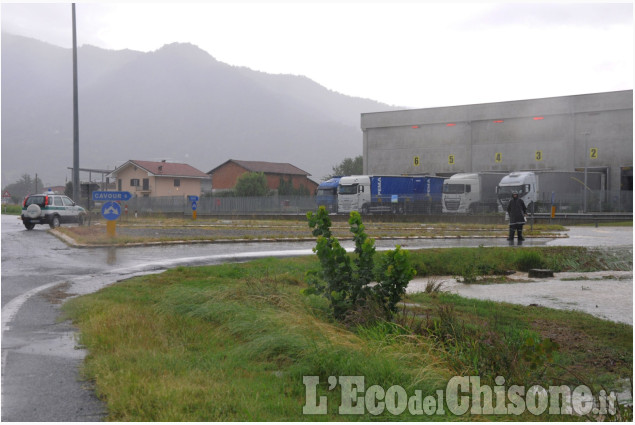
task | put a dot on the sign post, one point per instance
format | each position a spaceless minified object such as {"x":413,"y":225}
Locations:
{"x":111,"y":196}
{"x":111,"y":210}
{"x":193,"y":199}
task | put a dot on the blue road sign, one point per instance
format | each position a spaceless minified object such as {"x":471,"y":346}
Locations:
{"x":111,"y":196}
{"x":193,"y":198}
{"x":111,"y":210}
{"x":194,"y":206}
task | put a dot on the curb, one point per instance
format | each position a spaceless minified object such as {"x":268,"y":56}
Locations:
{"x":74,"y":244}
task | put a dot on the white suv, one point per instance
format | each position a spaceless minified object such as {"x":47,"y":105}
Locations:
{"x":51,"y":209}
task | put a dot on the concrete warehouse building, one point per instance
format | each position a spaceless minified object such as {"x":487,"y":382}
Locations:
{"x":592,"y":131}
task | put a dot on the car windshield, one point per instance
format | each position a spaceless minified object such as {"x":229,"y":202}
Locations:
{"x":453,"y":188}
{"x":37,"y":199}
{"x":350,"y":189}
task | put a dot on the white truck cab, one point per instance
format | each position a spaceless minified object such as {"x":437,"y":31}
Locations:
{"x":353,"y":194}
{"x":523,"y":182}
{"x":459,"y":192}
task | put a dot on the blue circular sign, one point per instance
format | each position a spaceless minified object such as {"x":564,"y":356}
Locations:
{"x":111,"y":210}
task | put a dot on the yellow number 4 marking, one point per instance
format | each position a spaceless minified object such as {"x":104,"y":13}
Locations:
{"x":498,"y":157}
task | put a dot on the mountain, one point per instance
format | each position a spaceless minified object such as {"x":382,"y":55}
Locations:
{"x":177,"y":103}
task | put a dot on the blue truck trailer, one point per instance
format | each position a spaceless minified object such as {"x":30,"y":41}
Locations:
{"x":327,"y":194}
{"x":390,"y":194}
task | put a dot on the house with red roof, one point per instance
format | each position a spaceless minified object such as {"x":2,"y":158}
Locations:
{"x":225,"y":176}
{"x":149,"y":178}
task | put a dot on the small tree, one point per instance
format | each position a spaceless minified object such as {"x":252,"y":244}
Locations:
{"x":252,"y":184}
{"x":348,"y":286}
{"x":68,"y":189}
{"x":348,"y":167}
{"x":26,"y":185}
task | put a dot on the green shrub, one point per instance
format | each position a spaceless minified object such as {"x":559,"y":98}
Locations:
{"x":350,"y":286}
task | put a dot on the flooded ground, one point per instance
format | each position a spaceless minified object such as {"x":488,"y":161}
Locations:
{"x":607,"y":295}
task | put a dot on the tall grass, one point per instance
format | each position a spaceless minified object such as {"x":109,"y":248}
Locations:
{"x":226,"y":343}
{"x":232,"y":342}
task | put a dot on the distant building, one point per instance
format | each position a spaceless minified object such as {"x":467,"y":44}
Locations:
{"x":225,"y":176}
{"x":55,"y":189}
{"x":592,"y":132}
{"x":148,"y":178}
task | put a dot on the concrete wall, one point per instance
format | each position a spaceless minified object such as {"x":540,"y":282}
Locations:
{"x":553,"y":133}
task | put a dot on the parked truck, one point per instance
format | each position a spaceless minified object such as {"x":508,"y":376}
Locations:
{"x":542,"y":189}
{"x":327,"y":194}
{"x":471,"y":192}
{"x":390,"y":194}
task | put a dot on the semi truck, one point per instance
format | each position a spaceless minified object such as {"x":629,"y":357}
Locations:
{"x":471,"y":192}
{"x":327,"y":194}
{"x":390,"y":194}
{"x":564,"y":189}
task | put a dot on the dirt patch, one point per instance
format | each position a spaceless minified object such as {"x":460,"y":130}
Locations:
{"x":57,"y":294}
{"x":574,"y":340}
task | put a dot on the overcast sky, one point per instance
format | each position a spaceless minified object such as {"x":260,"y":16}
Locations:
{"x":411,"y":54}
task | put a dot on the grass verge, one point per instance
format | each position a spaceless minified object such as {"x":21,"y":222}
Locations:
{"x":233,"y":342}
{"x":157,"y":230}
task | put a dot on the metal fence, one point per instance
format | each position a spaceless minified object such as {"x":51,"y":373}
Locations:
{"x":616,"y":201}
{"x":223,"y":205}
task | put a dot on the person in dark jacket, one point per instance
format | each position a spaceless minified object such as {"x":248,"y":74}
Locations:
{"x":517,"y":212}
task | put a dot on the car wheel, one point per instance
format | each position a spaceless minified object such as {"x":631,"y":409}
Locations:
{"x":55,"y":222}
{"x":29,"y":225}
{"x":80,"y":219}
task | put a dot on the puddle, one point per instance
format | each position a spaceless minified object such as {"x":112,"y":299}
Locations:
{"x":607,"y":295}
{"x":57,"y":344}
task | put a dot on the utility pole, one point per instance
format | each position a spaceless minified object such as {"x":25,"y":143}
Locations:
{"x":75,"y":117}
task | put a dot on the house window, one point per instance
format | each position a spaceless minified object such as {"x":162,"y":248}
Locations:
{"x":177,"y":182}
{"x":134,"y":182}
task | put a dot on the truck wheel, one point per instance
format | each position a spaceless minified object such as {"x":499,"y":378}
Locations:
{"x":364,"y":209}
{"x":55,"y":222}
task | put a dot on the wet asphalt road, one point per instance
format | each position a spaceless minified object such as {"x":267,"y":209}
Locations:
{"x":40,"y":357}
